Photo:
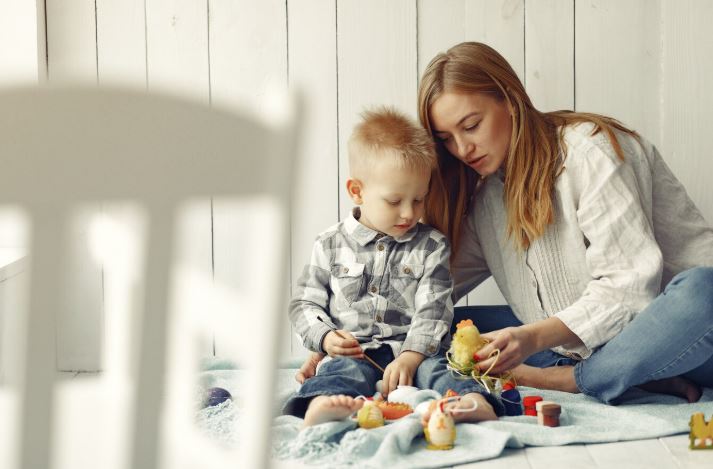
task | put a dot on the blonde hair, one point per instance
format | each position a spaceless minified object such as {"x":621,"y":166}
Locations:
{"x":387,"y":131}
{"x":534,"y":155}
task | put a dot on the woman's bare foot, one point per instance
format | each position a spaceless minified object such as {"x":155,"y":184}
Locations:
{"x":675,"y":386}
{"x":483,"y":411}
{"x":557,"y":378}
{"x":309,"y":367}
{"x":331,"y":408}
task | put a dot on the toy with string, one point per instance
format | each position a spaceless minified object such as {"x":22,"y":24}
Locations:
{"x":462,"y":361}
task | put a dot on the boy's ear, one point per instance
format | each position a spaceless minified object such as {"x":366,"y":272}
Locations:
{"x":354,"y":187}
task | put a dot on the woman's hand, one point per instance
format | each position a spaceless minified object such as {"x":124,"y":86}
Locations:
{"x":401,"y":371}
{"x":515,"y":344}
{"x":518,"y":343}
{"x":345,"y":346}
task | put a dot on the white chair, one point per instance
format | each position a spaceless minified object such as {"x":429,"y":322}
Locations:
{"x":69,"y":146}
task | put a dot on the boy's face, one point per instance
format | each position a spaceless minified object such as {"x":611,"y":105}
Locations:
{"x":390,"y":197}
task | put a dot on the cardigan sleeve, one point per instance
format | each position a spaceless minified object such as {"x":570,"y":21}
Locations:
{"x":622,"y":256}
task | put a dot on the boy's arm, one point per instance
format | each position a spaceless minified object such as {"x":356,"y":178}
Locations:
{"x":433,"y":304}
{"x":310,"y":300}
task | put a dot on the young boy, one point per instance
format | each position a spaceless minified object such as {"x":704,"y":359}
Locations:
{"x":378,"y":283}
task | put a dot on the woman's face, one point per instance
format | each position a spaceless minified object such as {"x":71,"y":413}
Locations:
{"x":474,"y":127}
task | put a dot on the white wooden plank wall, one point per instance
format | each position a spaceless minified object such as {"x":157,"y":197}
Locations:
{"x":645,"y":62}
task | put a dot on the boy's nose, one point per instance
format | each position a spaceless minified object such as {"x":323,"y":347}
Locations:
{"x":407,"y":213}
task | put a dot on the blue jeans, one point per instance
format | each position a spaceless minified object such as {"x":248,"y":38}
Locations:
{"x":354,"y":377}
{"x":672,"y":336}
{"x":340,"y":375}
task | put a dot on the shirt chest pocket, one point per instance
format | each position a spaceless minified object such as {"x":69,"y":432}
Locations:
{"x":347,"y":281}
{"x":404,"y":283}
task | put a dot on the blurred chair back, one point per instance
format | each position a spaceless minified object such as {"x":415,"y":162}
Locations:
{"x":63,"y":147}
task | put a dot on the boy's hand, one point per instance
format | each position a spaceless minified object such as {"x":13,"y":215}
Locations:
{"x":309,"y":367}
{"x":346,"y":346}
{"x":401,"y":371}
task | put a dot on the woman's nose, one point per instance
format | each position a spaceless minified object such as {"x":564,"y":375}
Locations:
{"x":464,"y":147}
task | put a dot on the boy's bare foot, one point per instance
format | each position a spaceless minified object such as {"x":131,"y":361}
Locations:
{"x":309,"y":367}
{"x":331,"y":408}
{"x":557,"y":378}
{"x":483,"y":411}
{"x":675,"y":386}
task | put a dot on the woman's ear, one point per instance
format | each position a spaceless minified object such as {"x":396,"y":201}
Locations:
{"x":354,"y":188}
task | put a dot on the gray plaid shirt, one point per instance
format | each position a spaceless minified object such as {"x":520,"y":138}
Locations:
{"x":381,"y":289}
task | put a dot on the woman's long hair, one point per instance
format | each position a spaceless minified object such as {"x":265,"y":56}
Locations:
{"x":534,"y":155}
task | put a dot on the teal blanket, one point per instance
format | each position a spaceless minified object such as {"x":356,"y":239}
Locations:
{"x":401,"y":444}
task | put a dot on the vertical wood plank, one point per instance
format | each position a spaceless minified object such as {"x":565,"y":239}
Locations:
{"x":500,"y":24}
{"x":376,"y":46}
{"x":19,"y":41}
{"x":121,"y":42}
{"x":248,"y":51}
{"x":313,"y":27}
{"x":549,"y":53}
{"x":177,"y":47}
{"x":71,"y":40}
{"x":72,"y":57}
{"x":177,"y":62}
{"x":687,"y":100}
{"x":617,"y":62}
{"x":248,"y":61}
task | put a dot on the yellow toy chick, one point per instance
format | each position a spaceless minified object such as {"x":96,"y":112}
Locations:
{"x":466,"y":341}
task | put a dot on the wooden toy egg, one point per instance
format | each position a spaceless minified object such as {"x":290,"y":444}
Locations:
{"x":370,"y":416}
{"x":441,"y":429}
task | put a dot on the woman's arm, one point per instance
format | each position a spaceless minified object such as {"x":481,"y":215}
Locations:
{"x":622,"y":257}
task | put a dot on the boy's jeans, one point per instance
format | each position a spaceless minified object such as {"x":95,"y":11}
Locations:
{"x":354,"y":377}
{"x":349,"y":376}
{"x":673,"y":336}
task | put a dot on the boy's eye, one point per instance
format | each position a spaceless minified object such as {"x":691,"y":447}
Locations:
{"x":418,"y":201}
{"x":394,"y":202}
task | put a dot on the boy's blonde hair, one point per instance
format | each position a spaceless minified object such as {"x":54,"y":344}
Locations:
{"x":387,"y":131}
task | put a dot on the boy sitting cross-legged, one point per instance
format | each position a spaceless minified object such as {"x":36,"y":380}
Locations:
{"x":378,"y":283}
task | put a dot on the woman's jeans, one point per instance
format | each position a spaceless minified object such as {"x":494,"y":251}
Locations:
{"x":673,"y":336}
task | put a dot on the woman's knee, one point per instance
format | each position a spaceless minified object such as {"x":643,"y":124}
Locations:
{"x":695,"y":292}
{"x":697,"y":281}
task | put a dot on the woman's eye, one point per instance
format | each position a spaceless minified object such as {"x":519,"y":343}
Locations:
{"x":394,"y":202}
{"x":420,"y":201}
{"x":472,"y":127}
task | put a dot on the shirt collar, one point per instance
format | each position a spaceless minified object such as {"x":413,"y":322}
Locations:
{"x":364,"y":235}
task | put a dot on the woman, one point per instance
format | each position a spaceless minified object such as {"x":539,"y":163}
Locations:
{"x":595,"y":245}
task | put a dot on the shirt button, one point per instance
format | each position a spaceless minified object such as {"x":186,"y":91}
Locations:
{"x":345,"y":270}
{"x":431,"y":349}
{"x":373,"y":289}
{"x":380,"y":247}
{"x":379,"y":318}
{"x":407,"y":270}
